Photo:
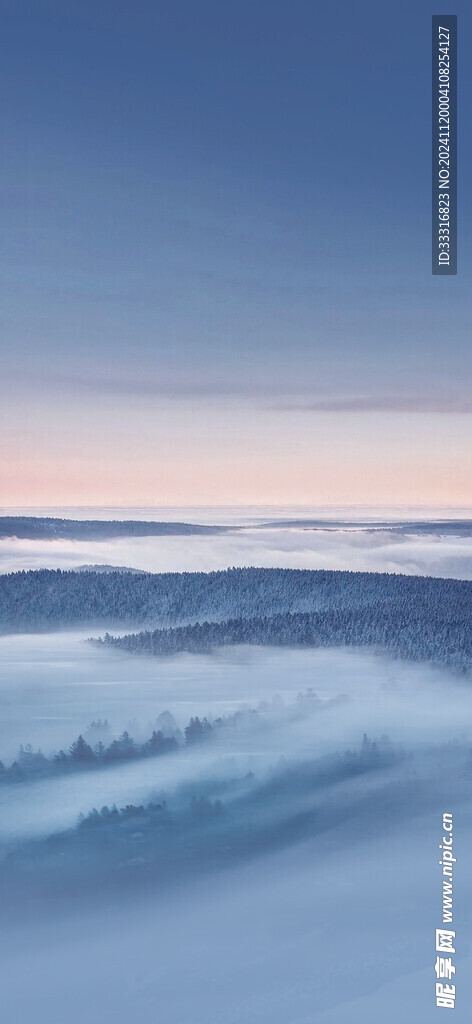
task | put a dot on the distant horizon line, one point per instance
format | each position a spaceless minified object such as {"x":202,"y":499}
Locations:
{"x":244,"y":505}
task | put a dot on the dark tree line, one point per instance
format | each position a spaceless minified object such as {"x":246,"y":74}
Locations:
{"x":48,"y":528}
{"x":409,"y":626}
{"x":284,"y":782}
{"x":47,"y":600}
{"x":83,"y":754}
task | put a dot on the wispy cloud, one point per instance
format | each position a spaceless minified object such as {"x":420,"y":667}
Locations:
{"x":381,"y":403}
{"x":273,"y":395}
{"x":270,"y":394}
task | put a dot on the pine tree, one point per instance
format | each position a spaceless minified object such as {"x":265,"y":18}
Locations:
{"x":80,"y":750}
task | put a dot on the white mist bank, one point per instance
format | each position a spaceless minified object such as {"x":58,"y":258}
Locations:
{"x":52,"y":687}
{"x":290,"y":547}
{"x":338,"y":929}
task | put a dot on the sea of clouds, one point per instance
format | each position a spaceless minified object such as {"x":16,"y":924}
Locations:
{"x":367,"y":550}
{"x":339,"y":927}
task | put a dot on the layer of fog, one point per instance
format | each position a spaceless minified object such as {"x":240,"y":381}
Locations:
{"x":339,"y":928}
{"x":289,"y":547}
{"x":52,"y":687}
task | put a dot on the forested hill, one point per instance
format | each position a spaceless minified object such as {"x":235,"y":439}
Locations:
{"x":411,"y":630}
{"x":44,"y":528}
{"x":47,"y":600}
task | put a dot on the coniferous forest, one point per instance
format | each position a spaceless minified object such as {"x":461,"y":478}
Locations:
{"x":412,"y":617}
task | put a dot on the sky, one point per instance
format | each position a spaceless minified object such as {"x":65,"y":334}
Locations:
{"x":215,"y":265}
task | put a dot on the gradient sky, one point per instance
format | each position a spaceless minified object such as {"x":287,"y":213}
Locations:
{"x":216,"y":257}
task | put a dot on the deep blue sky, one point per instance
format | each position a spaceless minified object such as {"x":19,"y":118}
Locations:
{"x":215,"y":266}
